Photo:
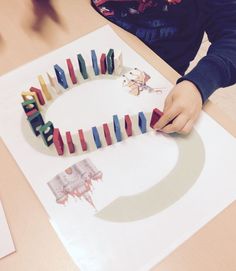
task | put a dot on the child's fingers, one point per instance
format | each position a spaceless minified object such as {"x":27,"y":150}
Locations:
{"x":187,"y":128}
{"x":177,"y":125}
{"x":167,"y":117}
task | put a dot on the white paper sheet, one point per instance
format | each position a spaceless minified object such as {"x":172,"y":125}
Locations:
{"x":156,"y":190}
{"x":6,"y":242}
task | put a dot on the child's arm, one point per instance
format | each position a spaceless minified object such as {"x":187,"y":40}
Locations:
{"x":217,"y":69}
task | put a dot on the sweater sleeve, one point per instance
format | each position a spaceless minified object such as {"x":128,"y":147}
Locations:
{"x":218,"y":68}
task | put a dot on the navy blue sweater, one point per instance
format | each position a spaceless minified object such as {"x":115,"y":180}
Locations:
{"x":174,"y":30}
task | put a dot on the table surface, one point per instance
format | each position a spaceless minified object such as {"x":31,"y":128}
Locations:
{"x":29,"y":31}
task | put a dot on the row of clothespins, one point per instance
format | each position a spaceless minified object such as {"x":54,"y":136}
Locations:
{"x":110,"y":63}
{"x":51,"y":135}
{"x":35,"y":98}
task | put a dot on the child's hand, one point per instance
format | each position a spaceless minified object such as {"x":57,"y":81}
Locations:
{"x":182,"y":106}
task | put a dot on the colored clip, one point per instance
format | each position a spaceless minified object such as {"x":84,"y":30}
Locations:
{"x":61,"y":77}
{"x":103,"y":64}
{"x":128,"y":125}
{"x":39,"y":94}
{"x":36,"y":122}
{"x":70,"y":143}
{"x":96,"y":137}
{"x":44,"y":88}
{"x":71,"y":71}
{"x":28,"y":95}
{"x":118,"y":63}
{"x":82,"y":140}
{"x":46,"y":132}
{"x":156,"y":115}
{"x":142,"y":122}
{"x":58,"y":141}
{"x":107,"y":134}
{"x":110,"y":61}
{"x":117,"y":129}
{"x":95,"y":62}
{"x":82,"y":66}
{"x":29,"y":105}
